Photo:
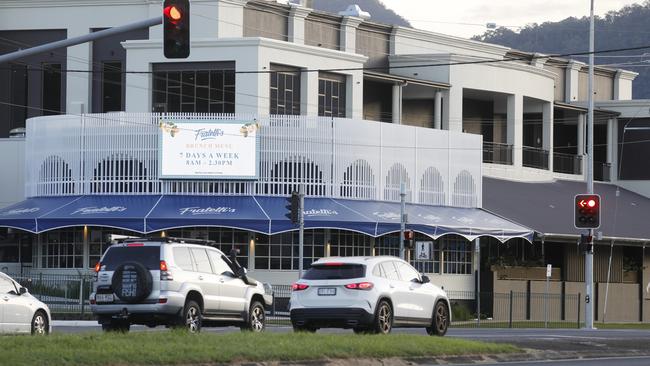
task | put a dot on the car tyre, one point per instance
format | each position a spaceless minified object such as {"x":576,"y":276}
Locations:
{"x":119,"y":326}
{"x":191,"y":318}
{"x":256,"y":321}
{"x":440,"y":321}
{"x":383,"y":323}
{"x":40,"y":324}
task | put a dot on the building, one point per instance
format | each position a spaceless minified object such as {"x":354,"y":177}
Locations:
{"x":467,"y":109}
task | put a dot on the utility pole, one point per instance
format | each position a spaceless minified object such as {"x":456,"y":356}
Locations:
{"x":301,"y":232}
{"x":402,"y":218}
{"x":589,"y":254}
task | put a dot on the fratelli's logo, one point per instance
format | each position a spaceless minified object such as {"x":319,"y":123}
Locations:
{"x":205,"y":210}
{"x":320,"y":212}
{"x":203,"y":134}
{"x":387,"y":215}
{"x":20,"y":211}
{"x":98,"y":210}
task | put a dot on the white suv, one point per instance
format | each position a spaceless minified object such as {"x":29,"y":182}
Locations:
{"x":175,"y":283}
{"x":367,"y":294}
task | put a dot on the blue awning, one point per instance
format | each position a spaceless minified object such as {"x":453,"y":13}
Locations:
{"x":150,"y":213}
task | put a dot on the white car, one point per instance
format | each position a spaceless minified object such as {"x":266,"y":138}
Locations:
{"x":367,"y":294}
{"x":21,"y":312}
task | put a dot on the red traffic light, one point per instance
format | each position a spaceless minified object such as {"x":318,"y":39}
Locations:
{"x":408,"y":235}
{"x":173,"y":13}
{"x":591,"y":203}
{"x":587,"y":211}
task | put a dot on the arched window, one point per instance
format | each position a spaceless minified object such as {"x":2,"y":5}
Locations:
{"x":464,"y":190}
{"x":396,"y":175}
{"x":120,"y":173}
{"x":432,"y":187}
{"x":288,"y":175}
{"x":359,"y":181}
{"x":55,"y":177}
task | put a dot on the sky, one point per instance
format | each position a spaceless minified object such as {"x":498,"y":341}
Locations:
{"x":466,"y":18}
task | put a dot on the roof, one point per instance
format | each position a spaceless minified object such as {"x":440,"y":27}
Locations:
{"x":547,"y":208}
{"x":397,"y":78}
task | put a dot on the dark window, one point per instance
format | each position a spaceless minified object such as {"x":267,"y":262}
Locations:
{"x":285,"y":90}
{"x":148,"y":256}
{"x":201,"y":260}
{"x":51,"y":89}
{"x":182,"y":259}
{"x":203,"y":89}
{"x":18,"y":96}
{"x":331,"y":95}
{"x":335,"y":272}
{"x":111,"y":86}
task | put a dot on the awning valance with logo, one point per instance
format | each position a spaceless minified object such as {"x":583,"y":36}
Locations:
{"x":266,"y":215}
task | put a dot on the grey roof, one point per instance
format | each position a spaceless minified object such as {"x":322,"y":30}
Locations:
{"x":548,"y":207}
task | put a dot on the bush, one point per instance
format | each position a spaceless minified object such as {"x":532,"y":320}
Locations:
{"x":460,"y":312}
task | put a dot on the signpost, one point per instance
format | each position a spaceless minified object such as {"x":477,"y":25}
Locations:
{"x":549,"y":272}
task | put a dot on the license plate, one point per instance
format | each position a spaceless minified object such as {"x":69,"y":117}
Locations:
{"x":104,"y":297}
{"x":327,"y":291}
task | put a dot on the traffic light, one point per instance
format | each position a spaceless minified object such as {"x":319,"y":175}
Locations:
{"x":409,"y":235}
{"x":176,"y":28}
{"x":587,"y":211}
{"x":293,"y":205}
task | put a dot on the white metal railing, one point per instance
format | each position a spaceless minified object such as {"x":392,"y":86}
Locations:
{"x":117,"y":153}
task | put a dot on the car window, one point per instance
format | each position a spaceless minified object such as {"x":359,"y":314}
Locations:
{"x":148,"y":256}
{"x":6,"y":286}
{"x":406,"y":272}
{"x":377,"y":271}
{"x":390,"y":271}
{"x":335,"y":271}
{"x":219,"y":265}
{"x":182,"y":258}
{"x":201,"y":260}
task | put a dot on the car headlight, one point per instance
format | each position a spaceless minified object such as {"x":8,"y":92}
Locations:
{"x":268,"y":289}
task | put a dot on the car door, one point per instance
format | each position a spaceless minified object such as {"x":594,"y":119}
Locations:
{"x":206,"y":280}
{"x":420,"y":298}
{"x":231,"y":287}
{"x":398,"y":292}
{"x":17,"y":313}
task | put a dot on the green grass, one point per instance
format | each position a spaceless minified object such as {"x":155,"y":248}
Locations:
{"x":622,"y":325}
{"x":181,"y":348}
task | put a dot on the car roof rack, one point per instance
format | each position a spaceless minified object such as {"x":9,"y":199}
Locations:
{"x":166,"y":240}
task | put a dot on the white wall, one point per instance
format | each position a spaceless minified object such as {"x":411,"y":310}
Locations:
{"x":12,"y":166}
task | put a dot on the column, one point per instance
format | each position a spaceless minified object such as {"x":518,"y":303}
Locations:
{"x":354,"y":97}
{"x":309,"y":94}
{"x":515,"y":123}
{"x":572,"y":81}
{"x":612,"y":149}
{"x":78,"y":83}
{"x":232,"y":12}
{"x":348,"y":36}
{"x":397,"y":104}
{"x":547,"y":131}
{"x":623,"y":84}
{"x":296,"y":23}
{"x":437,"y":110}
{"x":452,"y":110}
{"x":253,"y":93}
{"x":581,"y":141}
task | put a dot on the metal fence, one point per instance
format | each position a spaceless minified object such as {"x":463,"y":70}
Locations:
{"x":67,"y":296}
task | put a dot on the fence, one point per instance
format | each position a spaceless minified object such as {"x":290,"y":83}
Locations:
{"x":67,"y":296}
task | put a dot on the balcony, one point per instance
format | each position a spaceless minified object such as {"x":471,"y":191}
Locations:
{"x":497,"y":153}
{"x":534,"y":157}
{"x":602,"y":172}
{"x":567,"y":163}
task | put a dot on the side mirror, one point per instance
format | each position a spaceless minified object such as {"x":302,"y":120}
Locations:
{"x":22,"y":291}
{"x":425,"y":279}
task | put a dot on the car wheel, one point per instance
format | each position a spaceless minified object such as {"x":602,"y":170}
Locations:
{"x":40,"y":324}
{"x":256,"y":318}
{"x":192,"y":319}
{"x":116,"y":326}
{"x":383,"y":318}
{"x":440,"y":321}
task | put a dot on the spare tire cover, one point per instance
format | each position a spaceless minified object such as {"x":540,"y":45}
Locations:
{"x":132,"y":282}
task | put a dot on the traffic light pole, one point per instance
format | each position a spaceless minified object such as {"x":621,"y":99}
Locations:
{"x":589,"y":254}
{"x":301,"y":232}
{"x":402,"y":219}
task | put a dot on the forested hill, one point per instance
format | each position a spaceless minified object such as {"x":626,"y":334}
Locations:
{"x":376,"y":8}
{"x":626,"y":28}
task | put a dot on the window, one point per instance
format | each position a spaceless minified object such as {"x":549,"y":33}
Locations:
{"x":224,"y":239}
{"x":285,"y":90}
{"x":280,"y":251}
{"x":457,"y":255}
{"x":220,"y":267}
{"x":424,"y":245}
{"x":335,"y":272}
{"x":111,"y":86}
{"x":331,"y":95}
{"x":406,"y":272}
{"x":390,"y":270}
{"x":148,"y":256}
{"x":377,"y":271}
{"x":182,"y":259}
{"x":387,"y":245}
{"x":19,"y":90}
{"x":6,"y":286}
{"x":347,"y":244}
{"x":9,"y":253}
{"x":194,"y":88}
{"x":201,"y":260}
{"x":51,"y":98}
{"x":98,"y":242}
{"x":62,"y":249}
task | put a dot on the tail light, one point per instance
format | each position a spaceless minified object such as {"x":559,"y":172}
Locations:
{"x":360,"y":286}
{"x":165,"y":275}
{"x":98,"y":267}
{"x":299,"y":287}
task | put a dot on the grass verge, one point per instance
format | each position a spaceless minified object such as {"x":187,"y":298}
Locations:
{"x":169,"y":348}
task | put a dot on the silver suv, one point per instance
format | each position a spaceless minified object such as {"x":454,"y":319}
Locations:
{"x":175,"y":282}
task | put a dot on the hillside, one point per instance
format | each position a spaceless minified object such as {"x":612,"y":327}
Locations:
{"x":376,"y":8}
{"x":625,"y":28}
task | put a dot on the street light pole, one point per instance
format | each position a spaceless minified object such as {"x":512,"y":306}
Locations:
{"x":589,"y":254}
{"x":402,"y":206}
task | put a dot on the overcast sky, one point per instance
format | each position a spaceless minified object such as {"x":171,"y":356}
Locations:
{"x":446,"y":16}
